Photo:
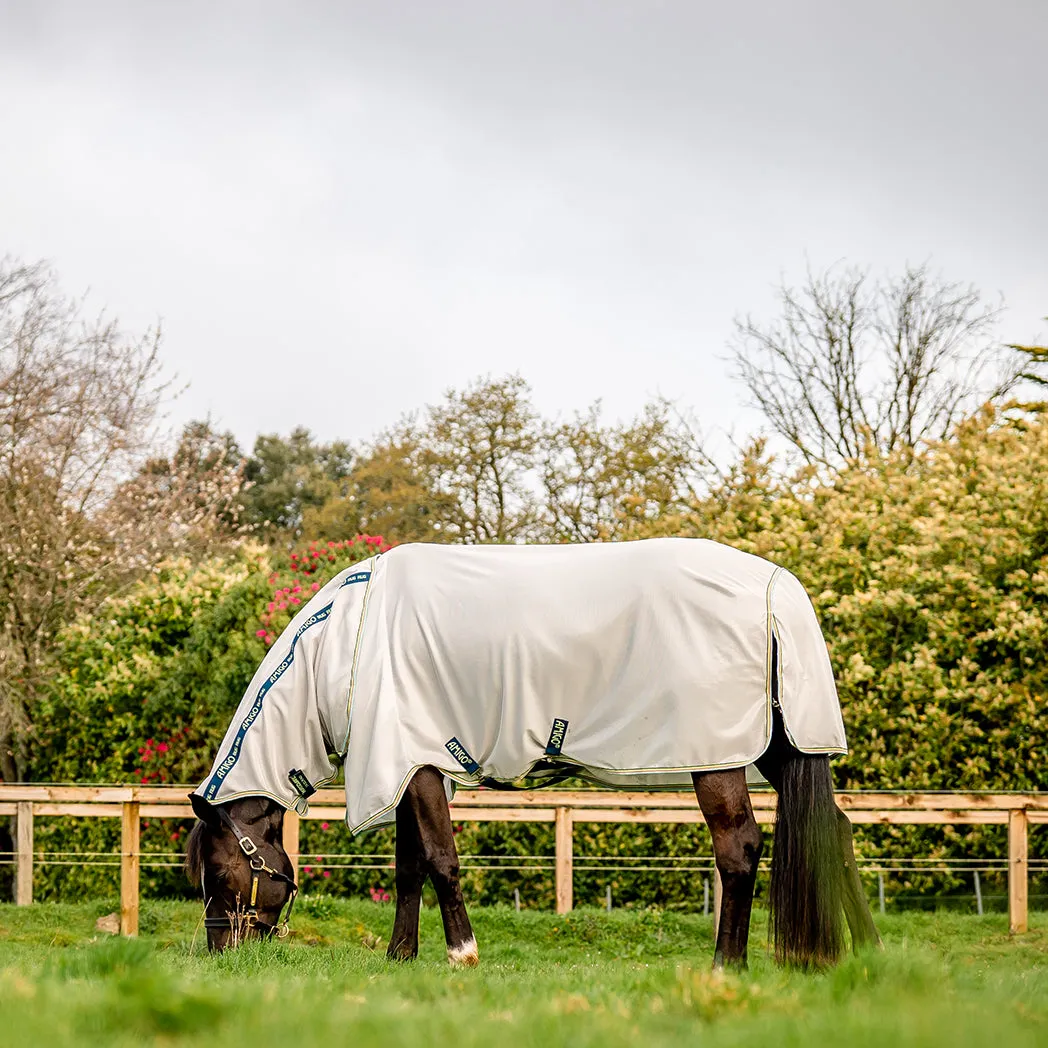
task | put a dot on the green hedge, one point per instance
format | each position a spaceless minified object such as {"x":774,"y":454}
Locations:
{"x":929,"y":574}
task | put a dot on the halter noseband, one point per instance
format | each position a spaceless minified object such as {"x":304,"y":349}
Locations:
{"x":249,"y":916}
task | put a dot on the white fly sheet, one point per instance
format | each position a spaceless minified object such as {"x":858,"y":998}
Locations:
{"x":633,"y":663}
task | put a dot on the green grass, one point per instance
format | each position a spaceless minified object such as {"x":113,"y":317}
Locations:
{"x":629,"y":978}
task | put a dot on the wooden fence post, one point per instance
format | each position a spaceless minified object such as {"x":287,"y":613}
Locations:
{"x":24,"y":853}
{"x":563,"y":849}
{"x":1018,"y":880}
{"x":130,"y":858}
{"x":290,"y":841}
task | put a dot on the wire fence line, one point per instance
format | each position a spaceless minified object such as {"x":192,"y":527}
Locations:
{"x":545,"y":862}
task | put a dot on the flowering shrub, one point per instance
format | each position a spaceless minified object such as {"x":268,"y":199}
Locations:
{"x":305,"y":573}
{"x":146,"y":687}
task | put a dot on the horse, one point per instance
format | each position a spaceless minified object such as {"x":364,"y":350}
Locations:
{"x":664,"y":661}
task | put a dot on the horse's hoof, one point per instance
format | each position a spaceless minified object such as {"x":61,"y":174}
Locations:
{"x":401,"y":952}
{"x":465,"y":955}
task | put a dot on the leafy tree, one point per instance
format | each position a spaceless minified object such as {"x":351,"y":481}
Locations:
{"x":286,"y":476}
{"x":597,"y":479}
{"x":482,"y":466}
{"x":1034,"y":367}
{"x":388,"y":493}
{"x":460,"y":471}
{"x":1037,"y":362}
{"x":478,"y":449}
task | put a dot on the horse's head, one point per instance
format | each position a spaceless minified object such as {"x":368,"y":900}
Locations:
{"x":235,"y":854}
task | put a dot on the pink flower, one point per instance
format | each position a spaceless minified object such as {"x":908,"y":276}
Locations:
{"x":260,"y":633}
{"x":324,"y":826}
{"x":307,"y":869}
{"x":315,"y":586}
{"x":162,"y":747}
{"x":271,"y":606}
{"x":327,"y":873}
{"x":295,"y":600}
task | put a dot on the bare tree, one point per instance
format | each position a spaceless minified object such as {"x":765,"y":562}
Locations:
{"x":78,"y":407}
{"x":189,"y":501}
{"x":852,"y":363}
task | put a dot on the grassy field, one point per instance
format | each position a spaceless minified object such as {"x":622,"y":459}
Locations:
{"x":590,"y":979}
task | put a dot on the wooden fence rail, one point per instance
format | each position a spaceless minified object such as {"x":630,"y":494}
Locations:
{"x":563,"y":808}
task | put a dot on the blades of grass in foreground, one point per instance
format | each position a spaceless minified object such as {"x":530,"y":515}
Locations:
{"x":589,"y":978}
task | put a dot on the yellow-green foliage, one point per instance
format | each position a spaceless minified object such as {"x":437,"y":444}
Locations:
{"x":930,"y":577}
{"x":113,"y":669}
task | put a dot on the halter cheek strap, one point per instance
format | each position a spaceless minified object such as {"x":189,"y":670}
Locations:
{"x":258,"y":866}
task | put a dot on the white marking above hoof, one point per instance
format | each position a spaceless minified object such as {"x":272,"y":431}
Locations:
{"x":464,"y":954}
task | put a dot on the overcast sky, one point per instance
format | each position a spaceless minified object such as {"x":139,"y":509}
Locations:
{"x":339,"y":210}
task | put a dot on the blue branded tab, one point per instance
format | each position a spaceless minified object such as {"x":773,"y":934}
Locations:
{"x":461,"y":754}
{"x":298,"y":779}
{"x":556,"y":737}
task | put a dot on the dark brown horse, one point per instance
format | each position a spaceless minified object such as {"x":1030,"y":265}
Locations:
{"x":235,"y":853}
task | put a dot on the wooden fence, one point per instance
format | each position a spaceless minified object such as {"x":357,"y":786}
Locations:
{"x":132,"y":803}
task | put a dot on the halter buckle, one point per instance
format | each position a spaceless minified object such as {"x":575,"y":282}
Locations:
{"x":247,"y":845}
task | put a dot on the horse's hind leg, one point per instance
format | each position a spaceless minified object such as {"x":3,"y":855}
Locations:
{"x":737,"y":844}
{"x":427,"y":804}
{"x":410,"y":876}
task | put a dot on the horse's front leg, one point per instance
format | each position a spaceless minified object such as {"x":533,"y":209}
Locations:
{"x":725,"y":803}
{"x":428,"y":805}
{"x":410,"y":876}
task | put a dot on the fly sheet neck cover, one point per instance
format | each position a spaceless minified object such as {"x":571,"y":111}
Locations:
{"x":635,"y":663}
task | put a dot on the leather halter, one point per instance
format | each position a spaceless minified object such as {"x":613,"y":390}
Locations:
{"x":249,"y":915}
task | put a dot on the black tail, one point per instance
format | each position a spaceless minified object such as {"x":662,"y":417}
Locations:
{"x":807,"y":871}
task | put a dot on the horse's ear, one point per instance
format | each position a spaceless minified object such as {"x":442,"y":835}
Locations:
{"x":205,"y":811}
